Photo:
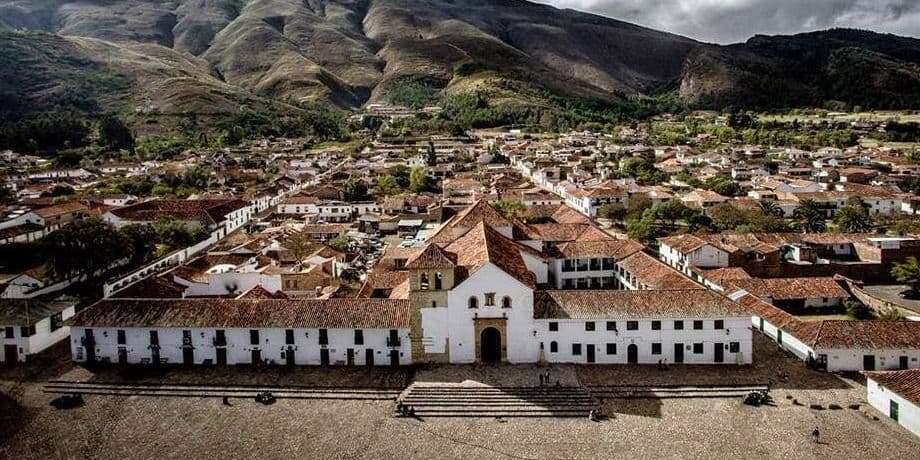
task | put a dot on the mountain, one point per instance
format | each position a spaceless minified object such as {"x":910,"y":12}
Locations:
{"x":210,"y":56}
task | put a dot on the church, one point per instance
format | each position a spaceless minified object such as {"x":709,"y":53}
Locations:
{"x":484,"y":288}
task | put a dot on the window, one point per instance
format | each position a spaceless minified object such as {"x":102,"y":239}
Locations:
{"x":253,"y":336}
{"x":697,"y":348}
{"x":289,"y":337}
{"x":553,"y":347}
{"x":553,"y":326}
{"x":656,"y":325}
{"x":323,"y":337}
{"x":24,"y":331}
{"x":434,"y":304}
{"x":678,"y":325}
{"x":576,"y":349}
{"x":154,"y":338}
{"x":656,"y":348}
{"x":611,"y":325}
{"x":438,"y":281}
{"x":632,"y":325}
{"x":359,"y":337}
{"x":121,"y":337}
{"x":473,"y":302}
{"x":423,"y":281}
{"x":220,"y":339}
{"x":589,"y":326}
{"x":719,"y":324}
{"x":734,"y":347}
{"x":10,"y":332}
{"x":506,"y":302}
{"x":490,"y":299}
{"x":697,"y":325}
{"x":611,"y":348}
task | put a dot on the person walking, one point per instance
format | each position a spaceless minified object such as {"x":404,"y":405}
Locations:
{"x":815,"y":435}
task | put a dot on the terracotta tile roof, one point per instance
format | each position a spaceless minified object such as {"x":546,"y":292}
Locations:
{"x":207,"y":212}
{"x":904,"y":383}
{"x":868,"y":335}
{"x":567,"y":215}
{"x":480,"y":211}
{"x":655,"y":274}
{"x":616,"y":249}
{"x":721,"y":276}
{"x":633,"y":304}
{"x":382,"y":281}
{"x":792,"y":288}
{"x":483,"y":244}
{"x":26,"y":312}
{"x":805,"y":331}
{"x":432,"y":257}
{"x":154,"y":287}
{"x":259,"y":292}
{"x":684,"y":244}
{"x":569,"y":232}
{"x":232,"y":313}
{"x":61,"y":209}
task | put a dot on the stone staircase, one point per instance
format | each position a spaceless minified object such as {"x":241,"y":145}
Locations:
{"x":672,"y":391}
{"x":477,"y":400}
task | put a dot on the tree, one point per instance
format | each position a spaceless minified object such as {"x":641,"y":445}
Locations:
{"x":855,"y":218}
{"x":86,"y":247}
{"x":770,"y":208}
{"x":727,"y":217}
{"x":386,"y":186}
{"x":670,"y":211}
{"x":908,"y":273}
{"x":643,"y":230}
{"x":810,"y":216}
{"x":615,"y":212}
{"x":637,"y":205}
{"x":697,"y":220}
{"x":7,"y":195}
{"x":114,"y":134}
{"x":418,"y":180}
{"x":338,"y":243}
{"x":174,"y":234}
{"x":354,"y":189}
{"x":299,"y":245}
{"x":143,"y":240}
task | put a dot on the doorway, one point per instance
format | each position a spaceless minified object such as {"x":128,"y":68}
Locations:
{"x":188,"y":356}
{"x":394,"y":358}
{"x":256,"y":357}
{"x":350,"y":357}
{"x":122,"y":355}
{"x":155,"y":355}
{"x":678,"y":353}
{"x":289,"y":357}
{"x":719,"y":355}
{"x":591,"y":357}
{"x":893,"y":410}
{"x":490,"y":345}
{"x":632,"y":354}
{"x":324,"y":357}
{"x":221,"y":356}
{"x":868,"y":362}
{"x":11,"y":354}
{"x":903,"y":363}
{"x":368,"y":357}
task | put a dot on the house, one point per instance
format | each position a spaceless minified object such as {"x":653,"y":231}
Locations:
{"x":211,"y":214}
{"x":897,"y":395}
{"x":368,"y":332}
{"x":29,"y":326}
{"x":685,"y":251}
{"x":796,"y":293}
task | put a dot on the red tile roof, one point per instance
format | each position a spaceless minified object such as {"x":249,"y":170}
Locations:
{"x":633,"y":304}
{"x":483,"y":244}
{"x":792,"y":288}
{"x":905,"y":383}
{"x":231,"y":313}
{"x":207,"y":212}
{"x":432,"y":257}
{"x":655,"y":274}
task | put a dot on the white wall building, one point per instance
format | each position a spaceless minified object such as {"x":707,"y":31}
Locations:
{"x":27,"y":326}
{"x":897,"y":395}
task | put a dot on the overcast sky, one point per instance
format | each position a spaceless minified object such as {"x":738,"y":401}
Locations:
{"x":730,"y":21}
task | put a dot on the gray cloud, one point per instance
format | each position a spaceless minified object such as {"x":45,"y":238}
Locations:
{"x":729,"y":21}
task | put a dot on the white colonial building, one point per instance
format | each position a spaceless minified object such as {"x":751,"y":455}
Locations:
{"x":29,"y":326}
{"x":897,"y":395}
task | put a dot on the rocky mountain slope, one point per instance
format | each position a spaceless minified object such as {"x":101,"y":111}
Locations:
{"x":212,"y":55}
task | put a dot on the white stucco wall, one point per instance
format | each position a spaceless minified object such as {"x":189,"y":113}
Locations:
{"x":239,"y":350}
{"x":880,"y":398}
{"x":522,"y":346}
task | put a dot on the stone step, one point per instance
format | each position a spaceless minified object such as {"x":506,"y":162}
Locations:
{"x":500,"y":414}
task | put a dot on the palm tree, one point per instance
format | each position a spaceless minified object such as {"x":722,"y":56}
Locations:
{"x":770,"y":208}
{"x":810,"y":216}
{"x":908,"y":273}
{"x":854,"y":219}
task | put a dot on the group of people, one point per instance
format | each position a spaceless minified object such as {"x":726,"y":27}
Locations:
{"x":544,"y":379}
{"x":403,"y":410}
{"x":595,"y":415}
